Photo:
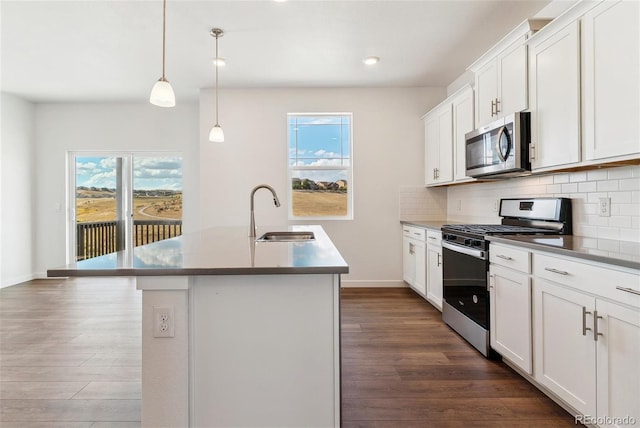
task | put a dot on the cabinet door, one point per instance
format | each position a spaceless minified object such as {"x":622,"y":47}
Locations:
{"x":431,"y":147}
{"x":618,"y":356}
{"x":444,"y":172}
{"x":564,"y":357}
{"x":434,"y":275}
{"x":510,"y":294}
{"x":420,"y":284}
{"x":554,"y":98}
{"x":512,"y":80}
{"x":611,"y":92}
{"x":486,"y":93}
{"x":462,"y":123}
{"x":408,"y":260}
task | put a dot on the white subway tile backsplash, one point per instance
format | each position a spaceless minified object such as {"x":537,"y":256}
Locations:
{"x":561,"y":178}
{"x":621,"y":172}
{"x":607,"y":185}
{"x":621,"y":197}
{"x":630,"y":184}
{"x":588,"y":186}
{"x":578,"y":176}
{"x":597,"y":174}
{"x":621,"y":184}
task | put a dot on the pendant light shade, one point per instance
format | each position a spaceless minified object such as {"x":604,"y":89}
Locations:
{"x":162,"y":93}
{"x":216,"y":135}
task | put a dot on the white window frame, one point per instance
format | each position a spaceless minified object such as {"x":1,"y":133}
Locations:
{"x":349,"y":169}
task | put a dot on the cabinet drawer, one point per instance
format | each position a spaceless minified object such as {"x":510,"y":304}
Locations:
{"x":623,"y":287}
{"x":434,"y":237}
{"x":510,"y":257}
{"x":414,"y":232}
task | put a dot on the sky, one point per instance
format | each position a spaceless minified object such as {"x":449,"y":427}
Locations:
{"x":149,"y":173}
{"x":319,"y":141}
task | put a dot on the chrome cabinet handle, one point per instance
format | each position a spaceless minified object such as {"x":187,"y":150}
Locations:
{"x":596,"y":317}
{"x":532,"y":152}
{"x":406,"y":230}
{"x":493,"y":108}
{"x":497,"y":106}
{"x":417,"y":233}
{"x":490,"y":281}
{"x":584,"y":321}
{"x":432,"y":237}
{"x":439,"y":262}
{"x":560,"y":272}
{"x":628,"y":290}
{"x":434,"y":173}
{"x":502,"y":256}
{"x":411,"y":248}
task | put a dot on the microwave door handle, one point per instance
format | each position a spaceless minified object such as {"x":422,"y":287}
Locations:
{"x":503,"y":132}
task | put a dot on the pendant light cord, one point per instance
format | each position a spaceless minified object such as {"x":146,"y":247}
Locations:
{"x":164,"y":14}
{"x":216,"y":64}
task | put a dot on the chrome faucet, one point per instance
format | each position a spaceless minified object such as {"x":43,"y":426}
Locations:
{"x":252,"y":223}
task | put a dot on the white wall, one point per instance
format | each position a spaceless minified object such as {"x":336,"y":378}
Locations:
{"x":115,"y":127}
{"x":388,"y":152}
{"x":16,"y":193}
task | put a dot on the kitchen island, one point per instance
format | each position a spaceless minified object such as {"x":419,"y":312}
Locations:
{"x":235,"y":332}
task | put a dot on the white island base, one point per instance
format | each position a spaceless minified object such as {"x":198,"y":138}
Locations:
{"x":248,"y":350}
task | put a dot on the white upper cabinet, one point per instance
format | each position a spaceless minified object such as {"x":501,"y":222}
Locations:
{"x":438,"y":150}
{"x":611,"y":72}
{"x":554,"y":87}
{"x":501,"y":75}
{"x":462,"y":102}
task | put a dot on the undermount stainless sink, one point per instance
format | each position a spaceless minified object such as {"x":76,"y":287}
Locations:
{"x":287,"y":237}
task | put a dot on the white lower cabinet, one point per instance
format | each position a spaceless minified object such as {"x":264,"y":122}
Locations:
{"x":510,"y":318}
{"x":434,"y":271}
{"x":414,"y":259}
{"x":586,"y":326}
{"x":565,"y":354}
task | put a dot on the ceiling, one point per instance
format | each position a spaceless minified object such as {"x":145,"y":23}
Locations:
{"x":97,"y":51}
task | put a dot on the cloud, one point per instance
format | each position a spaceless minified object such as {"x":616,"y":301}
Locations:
{"x":327,"y":154}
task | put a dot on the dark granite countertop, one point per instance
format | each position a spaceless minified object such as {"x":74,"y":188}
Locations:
{"x":217,"y":251}
{"x":618,"y":253}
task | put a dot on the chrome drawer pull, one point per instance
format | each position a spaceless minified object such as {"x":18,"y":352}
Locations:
{"x":596,"y":317}
{"x":432,"y":237}
{"x":501,"y":256}
{"x":628,"y":290}
{"x":584,"y":321}
{"x":561,"y":272}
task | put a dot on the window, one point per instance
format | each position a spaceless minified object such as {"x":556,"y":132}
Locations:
{"x":320,"y":165}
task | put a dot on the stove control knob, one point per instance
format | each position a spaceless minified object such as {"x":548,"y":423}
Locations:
{"x":467,"y":242}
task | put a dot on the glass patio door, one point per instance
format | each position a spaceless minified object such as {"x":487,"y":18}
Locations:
{"x":120,"y":201}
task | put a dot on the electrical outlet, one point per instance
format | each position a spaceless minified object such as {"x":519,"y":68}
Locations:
{"x":163,"y":322}
{"x":604,"y":207}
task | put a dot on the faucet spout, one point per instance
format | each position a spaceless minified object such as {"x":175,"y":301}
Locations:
{"x":252,"y":221}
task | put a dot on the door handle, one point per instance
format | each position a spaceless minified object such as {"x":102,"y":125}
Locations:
{"x":501,"y":256}
{"x":560,"y":272}
{"x":628,"y":290}
{"x":497,"y":106}
{"x":584,"y":321}
{"x":493,"y":107}
{"x":596,"y":317}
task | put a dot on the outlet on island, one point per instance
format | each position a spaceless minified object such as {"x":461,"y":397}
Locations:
{"x":163,"y":322}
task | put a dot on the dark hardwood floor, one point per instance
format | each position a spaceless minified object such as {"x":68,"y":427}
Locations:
{"x":70,"y":358}
{"x":402,"y":367}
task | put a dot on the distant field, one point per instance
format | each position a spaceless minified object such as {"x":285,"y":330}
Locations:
{"x":310,"y":204}
{"x":91,"y":209}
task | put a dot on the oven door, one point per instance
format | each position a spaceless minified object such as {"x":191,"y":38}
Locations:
{"x":465,"y":281}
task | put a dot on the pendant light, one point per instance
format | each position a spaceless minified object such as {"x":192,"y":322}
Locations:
{"x":162,"y":93}
{"x":216,"y":135}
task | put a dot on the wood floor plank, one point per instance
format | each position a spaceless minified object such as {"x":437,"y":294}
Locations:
{"x":40,"y":390}
{"x":70,"y":410}
{"x":110,"y":391}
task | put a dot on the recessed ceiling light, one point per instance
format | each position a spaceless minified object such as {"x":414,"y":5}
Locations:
{"x":371,"y":60}
{"x":220,"y":62}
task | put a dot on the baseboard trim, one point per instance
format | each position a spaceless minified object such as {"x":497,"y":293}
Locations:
{"x":17,"y":280}
{"x":368,"y":283}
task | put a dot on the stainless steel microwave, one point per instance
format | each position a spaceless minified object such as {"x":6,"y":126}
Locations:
{"x":500,"y":149}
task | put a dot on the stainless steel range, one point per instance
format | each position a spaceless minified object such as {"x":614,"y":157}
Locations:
{"x":465,"y":260}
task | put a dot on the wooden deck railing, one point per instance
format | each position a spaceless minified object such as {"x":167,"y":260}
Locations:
{"x":100,"y":237}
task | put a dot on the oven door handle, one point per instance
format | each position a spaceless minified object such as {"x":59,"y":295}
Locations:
{"x":478,"y":254}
